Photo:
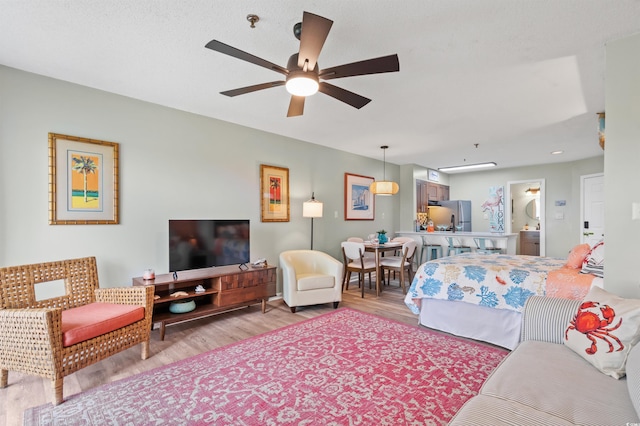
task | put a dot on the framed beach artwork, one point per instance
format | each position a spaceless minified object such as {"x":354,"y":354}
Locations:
{"x":83,"y":181}
{"x":274,"y":189}
{"x":358,"y":199}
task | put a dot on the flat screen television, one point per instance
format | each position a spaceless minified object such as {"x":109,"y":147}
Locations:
{"x":203,"y":243}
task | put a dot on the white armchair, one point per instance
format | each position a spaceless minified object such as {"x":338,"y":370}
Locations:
{"x":310,"y":277}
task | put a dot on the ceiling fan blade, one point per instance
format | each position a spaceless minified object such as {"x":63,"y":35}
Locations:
{"x":315,"y":30}
{"x":343,"y":95}
{"x":237,"y":53}
{"x":249,"y":89}
{"x":370,"y":66}
{"x":296,"y":106}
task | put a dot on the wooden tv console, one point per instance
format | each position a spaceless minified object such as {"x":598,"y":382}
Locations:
{"x":225,"y":288}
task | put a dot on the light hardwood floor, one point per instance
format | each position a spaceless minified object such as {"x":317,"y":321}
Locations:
{"x":191,"y":338}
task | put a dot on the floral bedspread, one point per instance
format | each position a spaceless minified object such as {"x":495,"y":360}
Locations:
{"x":496,"y":281}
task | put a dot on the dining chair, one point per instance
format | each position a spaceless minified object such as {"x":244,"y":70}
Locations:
{"x":401,"y":240}
{"x":355,"y":261}
{"x":400,"y":263}
{"x":398,"y":252}
{"x":367,"y":255}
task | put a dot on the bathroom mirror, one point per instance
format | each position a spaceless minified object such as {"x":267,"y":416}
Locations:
{"x":532,"y":210}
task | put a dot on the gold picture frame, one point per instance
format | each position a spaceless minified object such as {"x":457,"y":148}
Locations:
{"x":274,"y":193}
{"x":359,"y":202}
{"x":83,"y":181}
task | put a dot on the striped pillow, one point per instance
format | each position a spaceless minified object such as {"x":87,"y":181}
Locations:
{"x":594,"y":261}
{"x":604,"y":329}
{"x":633,"y":377}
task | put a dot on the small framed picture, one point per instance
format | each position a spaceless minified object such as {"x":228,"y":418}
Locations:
{"x":274,"y":189}
{"x":358,"y":199}
{"x":434,"y":176}
{"x":83,"y":181}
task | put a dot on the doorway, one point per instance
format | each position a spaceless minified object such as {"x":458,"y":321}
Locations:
{"x":591,"y":208}
{"x":526,"y":208}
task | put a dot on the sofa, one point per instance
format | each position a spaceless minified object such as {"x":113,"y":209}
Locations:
{"x":543,"y":381}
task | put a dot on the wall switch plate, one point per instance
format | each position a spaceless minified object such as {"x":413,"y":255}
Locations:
{"x":335,"y":214}
{"x":635,"y":211}
{"x":559,"y":216}
{"x":485,"y":216}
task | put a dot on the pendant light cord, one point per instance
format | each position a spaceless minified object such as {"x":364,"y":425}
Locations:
{"x":384,"y":162}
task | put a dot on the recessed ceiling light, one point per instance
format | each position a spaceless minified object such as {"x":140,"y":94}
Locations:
{"x":467,"y":167}
{"x":557,"y":152}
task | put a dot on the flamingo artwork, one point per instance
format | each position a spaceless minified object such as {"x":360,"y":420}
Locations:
{"x":495,"y":206}
{"x":494,"y":201}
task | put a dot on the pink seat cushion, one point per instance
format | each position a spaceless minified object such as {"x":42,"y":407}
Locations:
{"x":92,"y":320}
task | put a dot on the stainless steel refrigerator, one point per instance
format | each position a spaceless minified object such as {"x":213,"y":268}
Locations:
{"x":460,"y":210}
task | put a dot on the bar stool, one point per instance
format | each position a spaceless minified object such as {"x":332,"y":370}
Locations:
{"x":433,"y":251}
{"x":481,"y":246}
{"x":456,"y":248}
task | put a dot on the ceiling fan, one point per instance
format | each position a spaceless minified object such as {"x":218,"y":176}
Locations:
{"x":303,"y":76}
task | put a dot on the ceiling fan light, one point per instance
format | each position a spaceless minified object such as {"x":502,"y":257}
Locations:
{"x":302,"y":84}
{"x":384,"y":187}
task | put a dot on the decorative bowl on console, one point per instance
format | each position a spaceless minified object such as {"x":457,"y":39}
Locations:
{"x":182,"y":306}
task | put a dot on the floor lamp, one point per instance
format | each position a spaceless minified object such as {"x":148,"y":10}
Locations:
{"x":312,"y":208}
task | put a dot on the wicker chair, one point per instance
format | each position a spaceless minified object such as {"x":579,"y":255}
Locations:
{"x":31,"y":331}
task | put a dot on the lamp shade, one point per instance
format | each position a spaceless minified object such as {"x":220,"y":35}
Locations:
{"x":312,"y":208}
{"x":384,"y":187}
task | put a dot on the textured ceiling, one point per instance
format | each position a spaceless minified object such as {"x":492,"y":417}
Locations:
{"x":519,"y":78}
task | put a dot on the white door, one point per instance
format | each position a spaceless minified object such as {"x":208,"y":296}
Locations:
{"x":592,"y":225}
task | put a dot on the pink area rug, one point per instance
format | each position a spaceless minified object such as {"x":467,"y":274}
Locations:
{"x":344,"y":367}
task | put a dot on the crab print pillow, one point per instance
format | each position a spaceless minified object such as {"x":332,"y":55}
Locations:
{"x":604,"y":329}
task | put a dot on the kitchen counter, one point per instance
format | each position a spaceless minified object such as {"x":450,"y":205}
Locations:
{"x":507,"y":242}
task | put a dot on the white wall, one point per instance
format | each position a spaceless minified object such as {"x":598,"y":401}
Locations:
{"x":622,"y":169}
{"x":172,"y":165}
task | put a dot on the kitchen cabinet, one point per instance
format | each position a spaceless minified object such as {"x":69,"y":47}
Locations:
{"x":421,"y":196}
{"x":530,"y":243}
{"x":429,"y":191}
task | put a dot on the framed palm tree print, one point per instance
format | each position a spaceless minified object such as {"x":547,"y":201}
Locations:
{"x":274,"y":189}
{"x":83,"y":181}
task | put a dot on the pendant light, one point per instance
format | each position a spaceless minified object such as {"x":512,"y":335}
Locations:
{"x":384,"y":187}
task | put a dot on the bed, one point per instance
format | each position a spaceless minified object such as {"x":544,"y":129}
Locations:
{"x":481,"y":296}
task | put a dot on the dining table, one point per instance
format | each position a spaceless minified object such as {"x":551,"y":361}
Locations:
{"x":379,"y":250}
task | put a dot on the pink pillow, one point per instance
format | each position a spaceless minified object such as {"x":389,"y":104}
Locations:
{"x":577,"y":255}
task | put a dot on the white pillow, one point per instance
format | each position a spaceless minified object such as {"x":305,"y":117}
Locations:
{"x":604,"y":330}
